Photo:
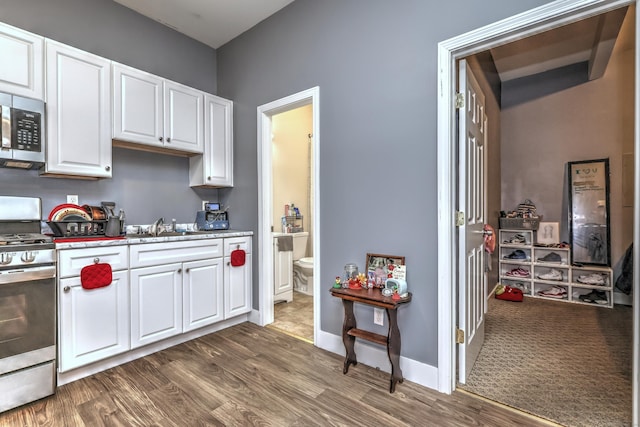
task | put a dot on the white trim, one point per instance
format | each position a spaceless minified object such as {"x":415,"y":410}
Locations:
{"x":376,"y":356}
{"x":546,"y":17}
{"x":265,"y":197}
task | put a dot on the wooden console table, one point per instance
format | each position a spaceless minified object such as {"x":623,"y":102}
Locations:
{"x":374,"y":298}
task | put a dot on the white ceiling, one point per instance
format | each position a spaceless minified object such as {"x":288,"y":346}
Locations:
{"x":213,"y":22}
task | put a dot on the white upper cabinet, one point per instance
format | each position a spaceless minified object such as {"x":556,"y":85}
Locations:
{"x":215,"y":167}
{"x":155,"y":112}
{"x":21,"y":68}
{"x":78,"y":113}
{"x":137,"y":106}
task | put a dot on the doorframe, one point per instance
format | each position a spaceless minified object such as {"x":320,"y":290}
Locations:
{"x":265,"y":200}
{"x":535,"y":21}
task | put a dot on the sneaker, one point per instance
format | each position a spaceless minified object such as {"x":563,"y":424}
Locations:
{"x":517,"y":239}
{"x":554,"y":292}
{"x":508,"y":293}
{"x":551,"y":257}
{"x":517,"y":254}
{"x":518,"y":272}
{"x":551,"y":275}
{"x":523,"y":287}
{"x":597,"y":297}
{"x":592,"y":279}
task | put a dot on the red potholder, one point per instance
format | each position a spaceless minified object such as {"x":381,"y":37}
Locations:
{"x":238,"y":257}
{"x":96,"y":276}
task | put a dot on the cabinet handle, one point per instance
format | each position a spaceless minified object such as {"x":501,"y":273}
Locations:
{"x":179,"y":270}
{"x":96,"y":260}
{"x":168,"y":139}
{"x":228,"y":263}
{"x":107,"y":168}
{"x":160,"y":139}
{"x":208,"y":178}
{"x":66,"y":289}
{"x":187,"y":270}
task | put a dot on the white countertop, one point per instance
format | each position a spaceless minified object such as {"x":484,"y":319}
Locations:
{"x":136,"y":239}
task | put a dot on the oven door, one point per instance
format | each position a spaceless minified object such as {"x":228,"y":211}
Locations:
{"x":27,"y":317}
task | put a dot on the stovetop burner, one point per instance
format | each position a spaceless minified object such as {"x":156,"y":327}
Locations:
{"x":23,"y":238}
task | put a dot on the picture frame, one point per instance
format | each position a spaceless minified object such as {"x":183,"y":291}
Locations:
{"x":548,"y":233}
{"x":589,"y":230}
{"x":380,"y":267}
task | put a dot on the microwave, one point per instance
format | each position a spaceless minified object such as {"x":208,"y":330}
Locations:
{"x":22,"y":134}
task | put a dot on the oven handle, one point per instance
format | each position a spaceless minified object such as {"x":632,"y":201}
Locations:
{"x":27,"y":275}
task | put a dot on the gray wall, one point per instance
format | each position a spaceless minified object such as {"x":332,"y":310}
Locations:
{"x":375,"y":63}
{"x":146,"y":185}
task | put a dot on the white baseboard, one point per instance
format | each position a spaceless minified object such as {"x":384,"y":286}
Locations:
{"x":111,"y":362}
{"x":376,"y":357}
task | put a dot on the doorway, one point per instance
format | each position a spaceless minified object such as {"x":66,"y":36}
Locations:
{"x":270,"y":222}
{"x":548,"y":17}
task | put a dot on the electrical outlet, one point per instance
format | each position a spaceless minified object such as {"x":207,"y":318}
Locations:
{"x":378,"y":316}
{"x":72,"y":198}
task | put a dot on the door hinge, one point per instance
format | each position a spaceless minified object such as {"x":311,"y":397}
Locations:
{"x":272,"y":228}
{"x":459,"y":100}
{"x":459,"y":219}
{"x":459,"y":336}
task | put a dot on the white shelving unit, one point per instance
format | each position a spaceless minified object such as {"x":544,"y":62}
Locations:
{"x":531,"y":267}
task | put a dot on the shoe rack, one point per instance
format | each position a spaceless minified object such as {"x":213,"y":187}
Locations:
{"x":532,"y":284}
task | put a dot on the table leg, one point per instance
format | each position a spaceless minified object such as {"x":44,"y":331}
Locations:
{"x":393,"y":349}
{"x":348,"y":340}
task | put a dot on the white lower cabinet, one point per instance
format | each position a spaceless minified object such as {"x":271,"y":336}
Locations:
{"x":171,"y":298}
{"x":93,"y":323}
{"x":202,"y":293}
{"x":156,"y":303}
{"x":237,"y":279}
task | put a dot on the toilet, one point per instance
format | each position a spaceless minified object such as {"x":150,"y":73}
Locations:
{"x":302,"y":265}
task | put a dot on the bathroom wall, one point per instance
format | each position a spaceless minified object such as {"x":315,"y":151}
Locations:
{"x":292,"y":166}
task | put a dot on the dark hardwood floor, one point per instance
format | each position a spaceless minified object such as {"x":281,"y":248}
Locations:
{"x":245,"y":376}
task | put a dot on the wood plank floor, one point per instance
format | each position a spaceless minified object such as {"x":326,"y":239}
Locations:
{"x":295,"y":317}
{"x":252,"y":376}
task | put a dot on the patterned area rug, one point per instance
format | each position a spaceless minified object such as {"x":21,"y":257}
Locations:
{"x":569,"y":363}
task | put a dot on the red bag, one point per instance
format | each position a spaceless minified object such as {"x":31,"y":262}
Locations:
{"x":238,"y":257}
{"x":96,"y":276}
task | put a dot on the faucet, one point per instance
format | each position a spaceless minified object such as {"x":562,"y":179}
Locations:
{"x":157,"y":227}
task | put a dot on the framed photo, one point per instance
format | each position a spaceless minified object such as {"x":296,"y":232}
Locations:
{"x":382,"y":267}
{"x":548,"y":233}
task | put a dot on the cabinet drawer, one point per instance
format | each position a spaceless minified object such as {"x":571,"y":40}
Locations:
{"x":233,"y":243}
{"x":71,"y":261}
{"x":150,"y":254}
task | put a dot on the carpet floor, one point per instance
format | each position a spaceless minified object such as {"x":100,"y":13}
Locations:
{"x":569,"y":363}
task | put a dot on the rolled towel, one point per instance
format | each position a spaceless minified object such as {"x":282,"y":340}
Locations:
{"x":285,"y":243}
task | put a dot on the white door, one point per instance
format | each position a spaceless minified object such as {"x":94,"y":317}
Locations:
{"x":137,"y":106}
{"x":472,"y":203}
{"x":78,"y":112}
{"x":156,"y":303}
{"x":94,"y":323}
{"x":183,"y":118}
{"x":202,"y":293}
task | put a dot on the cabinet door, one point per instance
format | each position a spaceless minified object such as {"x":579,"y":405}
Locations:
{"x":215,"y":167}
{"x":137,"y":106}
{"x":156,"y":303}
{"x":238,"y":287}
{"x":183,"y":115}
{"x":22,"y":68}
{"x":94,"y":323}
{"x":202,"y":293}
{"x":283,"y":270}
{"x":78,"y":113}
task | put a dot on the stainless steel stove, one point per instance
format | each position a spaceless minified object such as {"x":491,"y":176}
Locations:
{"x":27,"y":304}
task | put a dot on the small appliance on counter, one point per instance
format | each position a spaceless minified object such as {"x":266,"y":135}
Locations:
{"x":213,"y":217}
